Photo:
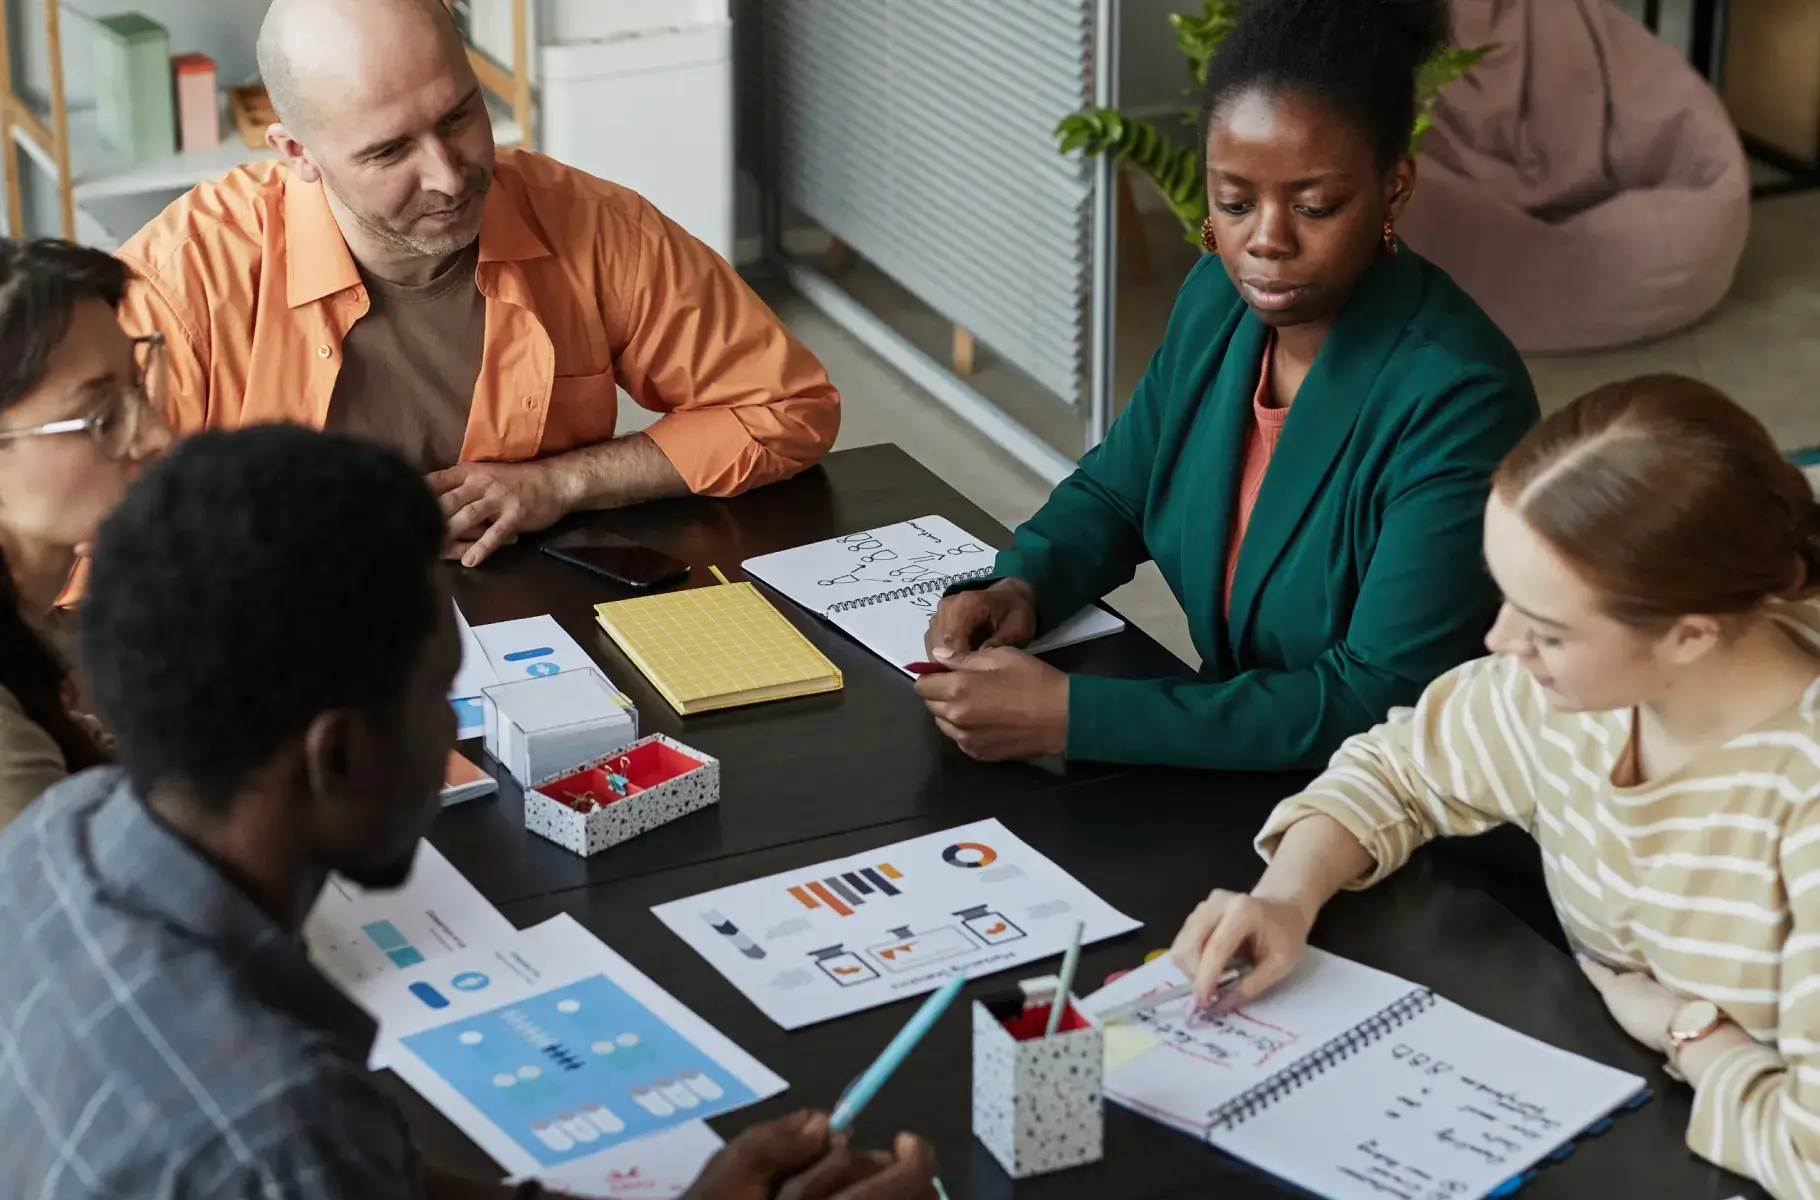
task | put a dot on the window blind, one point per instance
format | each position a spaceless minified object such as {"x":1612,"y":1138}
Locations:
{"x":918,"y":132}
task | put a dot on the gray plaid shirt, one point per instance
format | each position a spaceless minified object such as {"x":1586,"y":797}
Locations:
{"x":160,"y":1037}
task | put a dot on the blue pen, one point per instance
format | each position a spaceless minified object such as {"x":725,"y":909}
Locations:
{"x":866,"y":1086}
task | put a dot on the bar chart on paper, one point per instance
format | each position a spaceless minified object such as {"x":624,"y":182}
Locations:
{"x":837,"y":937}
{"x":848,"y":890}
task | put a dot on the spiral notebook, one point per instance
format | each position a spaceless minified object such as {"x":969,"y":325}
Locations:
{"x":881,"y":586}
{"x":1355,"y":1084}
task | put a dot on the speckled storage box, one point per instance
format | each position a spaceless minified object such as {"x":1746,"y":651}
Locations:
{"x":666,"y":780}
{"x":1037,"y":1101}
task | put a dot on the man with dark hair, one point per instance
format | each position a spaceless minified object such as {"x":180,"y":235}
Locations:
{"x":276,"y":674}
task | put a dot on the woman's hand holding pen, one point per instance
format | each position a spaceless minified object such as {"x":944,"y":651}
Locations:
{"x":1267,"y":934}
{"x":1268,"y":928}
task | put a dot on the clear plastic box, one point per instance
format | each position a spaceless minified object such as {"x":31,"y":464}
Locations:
{"x":550,"y":724}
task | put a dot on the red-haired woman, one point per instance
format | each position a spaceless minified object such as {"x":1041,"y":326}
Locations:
{"x":1651,"y":716}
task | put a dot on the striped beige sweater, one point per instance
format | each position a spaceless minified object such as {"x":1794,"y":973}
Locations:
{"x":1708,"y":877}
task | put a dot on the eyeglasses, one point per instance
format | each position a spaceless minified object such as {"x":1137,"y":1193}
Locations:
{"x":114,"y":426}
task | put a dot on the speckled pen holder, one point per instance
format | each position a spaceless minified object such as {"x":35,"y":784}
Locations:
{"x":1037,"y":1101}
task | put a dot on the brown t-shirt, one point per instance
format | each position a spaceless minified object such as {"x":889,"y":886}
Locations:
{"x":409,"y":366}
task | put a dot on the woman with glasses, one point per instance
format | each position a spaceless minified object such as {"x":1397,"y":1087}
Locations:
{"x":80,"y":414}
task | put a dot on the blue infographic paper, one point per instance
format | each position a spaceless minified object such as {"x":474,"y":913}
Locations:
{"x":570,"y":1071}
{"x":550,"y":1050}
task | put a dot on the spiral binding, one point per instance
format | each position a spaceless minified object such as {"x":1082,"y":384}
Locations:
{"x":940,"y":583}
{"x":1243,"y":1107}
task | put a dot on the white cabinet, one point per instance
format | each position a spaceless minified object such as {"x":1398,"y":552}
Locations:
{"x":652,"y":111}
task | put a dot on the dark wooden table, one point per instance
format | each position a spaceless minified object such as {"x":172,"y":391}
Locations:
{"x":812,"y":779}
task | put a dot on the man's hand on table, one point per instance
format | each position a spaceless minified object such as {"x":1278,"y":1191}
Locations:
{"x":488,"y":504}
{"x":796,"y":1158}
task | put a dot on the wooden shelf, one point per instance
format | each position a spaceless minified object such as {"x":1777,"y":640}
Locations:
{"x":67,"y":144}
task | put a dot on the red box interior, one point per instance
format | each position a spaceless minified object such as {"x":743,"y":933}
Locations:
{"x":645,"y":767}
{"x":1030,"y":1024}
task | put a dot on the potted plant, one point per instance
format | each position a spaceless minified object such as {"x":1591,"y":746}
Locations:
{"x":1174,"y":169}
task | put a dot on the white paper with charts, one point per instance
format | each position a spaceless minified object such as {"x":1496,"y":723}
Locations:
{"x":1415,"y":1097}
{"x":882,"y":585}
{"x":661,"y":1166}
{"x":354,"y":934}
{"x":843,"y":936}
{"x":548,"y":1050}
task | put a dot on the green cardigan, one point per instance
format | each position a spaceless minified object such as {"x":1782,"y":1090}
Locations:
{"x":1360,"y":577}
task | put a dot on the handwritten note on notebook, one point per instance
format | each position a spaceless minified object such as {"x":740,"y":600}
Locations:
{"x":882,"y":585}
{"x":1415,"y":1097}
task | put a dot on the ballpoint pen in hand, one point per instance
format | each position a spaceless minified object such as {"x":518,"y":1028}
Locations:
{"x":856,"y":1097}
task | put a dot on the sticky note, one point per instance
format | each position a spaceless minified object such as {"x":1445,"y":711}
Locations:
{"x":1127,"y":1042}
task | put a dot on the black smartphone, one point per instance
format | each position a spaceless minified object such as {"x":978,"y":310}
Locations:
{"x":619,"y":559}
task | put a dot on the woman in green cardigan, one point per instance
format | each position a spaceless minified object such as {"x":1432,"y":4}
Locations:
{"x":1305,"y":458}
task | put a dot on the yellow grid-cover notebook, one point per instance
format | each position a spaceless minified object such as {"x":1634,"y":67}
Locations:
{"x":717,"y":647}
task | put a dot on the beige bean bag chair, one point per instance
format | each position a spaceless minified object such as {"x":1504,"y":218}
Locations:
{"x":1583,"y":183}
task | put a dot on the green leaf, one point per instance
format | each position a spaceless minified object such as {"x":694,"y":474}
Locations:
{"x":1444,"y":68}
{"x":1197,"y":37}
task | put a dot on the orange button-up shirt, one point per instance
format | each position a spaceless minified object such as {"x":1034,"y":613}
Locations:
{"x":587,"y":286}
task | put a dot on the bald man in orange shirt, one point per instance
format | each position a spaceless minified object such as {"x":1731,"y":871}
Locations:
{"x":392,"y":274}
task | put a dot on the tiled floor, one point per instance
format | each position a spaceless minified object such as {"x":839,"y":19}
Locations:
{"x":1762,"y":347}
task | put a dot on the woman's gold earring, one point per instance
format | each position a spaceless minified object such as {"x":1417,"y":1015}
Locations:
{"x":1390,"y":238}
{"x":1207,"y":239}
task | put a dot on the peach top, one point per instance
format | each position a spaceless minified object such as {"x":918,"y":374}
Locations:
{"x":1261,"y":434}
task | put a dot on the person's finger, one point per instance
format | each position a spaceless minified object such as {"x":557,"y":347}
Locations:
{"x":460,"y":496}
{"x":456,"y":551}
{"x":995,"y":659}
{"x":1271,"y":963}
{"x":957,"y":623}
{"x":1010,"y":628}
{"x":451,"y":477}
{"x":501,"y":533}
{"x":910,"y":1175}
{"x":950,"y":617}
{"x":942,"y":685}
{"x":466,"y":523}
{"x":835,"y":1173}
{"x":960,"y":735}
{"x":1234,"y":930}
{"x":767,"y":1154}
{"x":1191,"y":939}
